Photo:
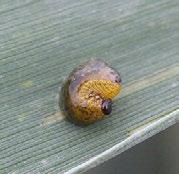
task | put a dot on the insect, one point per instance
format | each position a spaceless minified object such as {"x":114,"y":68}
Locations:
{"x":87,"y":94}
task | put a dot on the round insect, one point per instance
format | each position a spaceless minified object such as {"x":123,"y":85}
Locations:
{"x":87,"y":94}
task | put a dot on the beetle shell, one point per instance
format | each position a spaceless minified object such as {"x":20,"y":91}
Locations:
{"x":87,"y":94}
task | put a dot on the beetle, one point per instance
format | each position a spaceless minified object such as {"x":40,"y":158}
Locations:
{"x":88,"y":92}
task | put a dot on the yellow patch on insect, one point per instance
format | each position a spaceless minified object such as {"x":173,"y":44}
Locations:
{"x":105,"y":88}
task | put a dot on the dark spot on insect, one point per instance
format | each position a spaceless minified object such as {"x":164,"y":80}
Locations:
{"x":86,"y":118}
{"x":85,"y":112}
{"x":106,"y":106}
{"x":118,"y":79}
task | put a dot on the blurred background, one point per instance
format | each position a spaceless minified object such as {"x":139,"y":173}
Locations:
{"x":157,"y":155}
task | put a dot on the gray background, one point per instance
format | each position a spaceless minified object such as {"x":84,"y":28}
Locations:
{"x":42,"y":41}
{"x":157,"y":155}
